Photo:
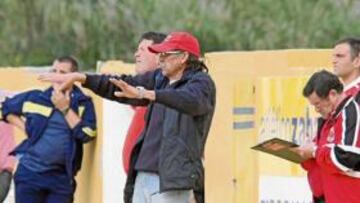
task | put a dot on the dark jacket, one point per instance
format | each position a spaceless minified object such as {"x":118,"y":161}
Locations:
{"x":36,"y":107}
{"x":190,"y":104}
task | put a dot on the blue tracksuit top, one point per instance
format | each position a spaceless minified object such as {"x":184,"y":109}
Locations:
{"x":36,"y":107}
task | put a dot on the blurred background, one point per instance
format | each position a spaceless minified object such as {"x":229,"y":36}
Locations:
{"x":33,"y":32}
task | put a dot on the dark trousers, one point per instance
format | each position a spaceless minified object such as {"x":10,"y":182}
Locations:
{"x":48,"y":187}
{"x":5,"y":181}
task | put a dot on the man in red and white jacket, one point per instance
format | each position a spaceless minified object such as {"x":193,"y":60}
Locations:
{"x":336,"y":154}
{"x":346,"y":64}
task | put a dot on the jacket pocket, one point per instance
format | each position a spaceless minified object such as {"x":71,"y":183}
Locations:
{"x":176,"y":167}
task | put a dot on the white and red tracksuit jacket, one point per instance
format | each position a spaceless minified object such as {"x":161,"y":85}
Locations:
{"x":335,"y":171}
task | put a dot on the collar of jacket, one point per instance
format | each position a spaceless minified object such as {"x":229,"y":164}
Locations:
{"x":339,"y":108}
{"x":187,"y":75}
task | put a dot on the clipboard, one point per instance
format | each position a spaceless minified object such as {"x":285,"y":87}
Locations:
{"x":280,"y":148}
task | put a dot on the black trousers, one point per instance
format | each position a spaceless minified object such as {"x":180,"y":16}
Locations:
{"x":5,"y":181}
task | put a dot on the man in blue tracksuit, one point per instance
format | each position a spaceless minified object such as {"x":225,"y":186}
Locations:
{"x":57,"y":124}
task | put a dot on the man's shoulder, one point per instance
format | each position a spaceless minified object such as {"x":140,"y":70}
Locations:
{"x":352,"y":107}
{"x":80,"y":94}
{"x":32,"y":92}
{"x":203,"y":76}
{"x":357,"y":97}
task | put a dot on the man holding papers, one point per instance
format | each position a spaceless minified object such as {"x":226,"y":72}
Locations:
{"x":335,"y":157}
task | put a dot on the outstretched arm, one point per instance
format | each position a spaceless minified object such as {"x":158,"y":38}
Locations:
{"x":101,"y":84}
{"x":66,"y":80}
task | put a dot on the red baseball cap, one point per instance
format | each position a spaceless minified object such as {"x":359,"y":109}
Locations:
{"x":178,"y":41}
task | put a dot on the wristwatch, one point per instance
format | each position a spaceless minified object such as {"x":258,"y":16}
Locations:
{"x":141,"y":92}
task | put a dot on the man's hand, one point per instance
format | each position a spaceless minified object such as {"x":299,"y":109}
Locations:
{"x":61,"y":100}
{"x":131,"y":91}
{"x":16,"y":121}
{"x":126,"y":89}
{"x":307,"y":151}
{"x":65,"y":80}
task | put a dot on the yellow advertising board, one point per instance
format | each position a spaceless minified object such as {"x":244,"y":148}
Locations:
{"x":283,"y":112}
{"x":259,"y":93}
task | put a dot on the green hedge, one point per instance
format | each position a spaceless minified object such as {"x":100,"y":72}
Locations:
{"x":33,"y":32}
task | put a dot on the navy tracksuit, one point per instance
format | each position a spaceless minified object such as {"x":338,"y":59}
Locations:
{"x":51,"y":155}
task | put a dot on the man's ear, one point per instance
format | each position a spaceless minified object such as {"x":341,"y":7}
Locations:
{"x":333,"y":94}
{"x":185,"y":57}
{"x":356,"y":61}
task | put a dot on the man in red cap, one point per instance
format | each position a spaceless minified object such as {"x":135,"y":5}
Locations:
{"x":166,"y":163}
